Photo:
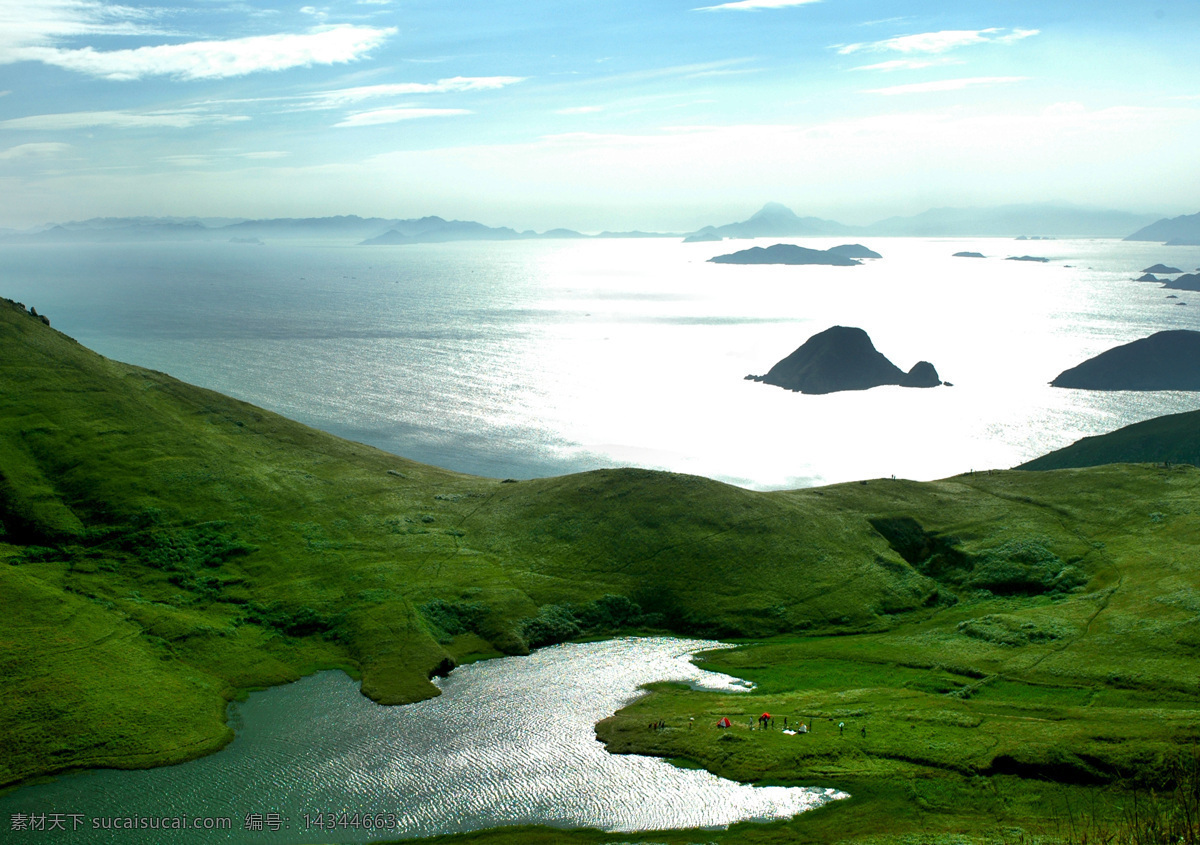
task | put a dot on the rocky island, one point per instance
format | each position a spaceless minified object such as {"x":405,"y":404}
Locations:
{"x":968,"y":255}
{"x":1027,"y":258}
{"x":843,"y":358}
{"x":786,"y":254}
{"x":1188,"y":281}
{"x":854,"y":251}
{"x":1167,"y":360}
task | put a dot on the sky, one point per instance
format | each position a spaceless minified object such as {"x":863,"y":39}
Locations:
{"x":658,"y":114}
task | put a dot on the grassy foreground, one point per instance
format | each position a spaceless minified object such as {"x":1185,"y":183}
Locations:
{"x":1016,"y":645}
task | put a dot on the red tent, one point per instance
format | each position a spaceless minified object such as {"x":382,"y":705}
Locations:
{"x":724,"y":723}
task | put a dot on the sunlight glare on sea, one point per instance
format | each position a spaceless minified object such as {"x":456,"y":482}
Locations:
{"x":534,"y":358}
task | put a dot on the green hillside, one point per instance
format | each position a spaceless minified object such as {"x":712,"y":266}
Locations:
{"x":1174,"y":438}
{"x":997,"y":633}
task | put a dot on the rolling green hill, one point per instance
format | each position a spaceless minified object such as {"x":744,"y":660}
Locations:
{"x":166,"y":549}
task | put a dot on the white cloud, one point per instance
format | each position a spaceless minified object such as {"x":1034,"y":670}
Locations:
{"x":33,"y":151}
{"x":754,"y":5}
{"x":346,"y":96}
{"x":44,"y":22}
{"x":907,"y":64}
{"x":181,"y":119}
{"x":322,"y":45}
{"x":946,"y":85}
{"x":377,"y":117}
{"x":265,"y":155}
{"x":937,"y":42}
{"x":581,"y":110}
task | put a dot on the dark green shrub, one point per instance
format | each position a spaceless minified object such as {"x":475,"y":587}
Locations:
{"x":554,"y":623}
{"x":448,"y":619}
{"x":608,"y":612}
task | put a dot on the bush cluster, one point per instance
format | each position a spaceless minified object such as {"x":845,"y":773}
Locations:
{"x":174,"y":549}
{"x":1025,"y":567}
{"x":294,"y":621}
{"x":556,"y":623}
{"x":448,"y":619}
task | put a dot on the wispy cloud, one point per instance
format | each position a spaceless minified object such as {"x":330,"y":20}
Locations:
{"x":33,"y":151}
{"x":323,"y":45}
{"x":377,"y":117}
{"x":346,"y":96}
{"x":938,"y":42}
{"x":581,"y":110}
{"x":181,"y":119}
{"x":908,"y":64}
{"x":187,"y":160}
{"x":946,"y":85}
{"x":879,"y":21}
{"x":46,"y":22}
{"x":753,"y":5}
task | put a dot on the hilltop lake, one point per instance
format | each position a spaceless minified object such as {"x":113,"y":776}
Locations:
{"x":510,"y":741}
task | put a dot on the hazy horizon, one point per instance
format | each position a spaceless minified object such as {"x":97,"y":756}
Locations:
{"x":664,"y":117}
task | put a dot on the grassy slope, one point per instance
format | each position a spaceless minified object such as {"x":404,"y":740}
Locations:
{"x":167,"y":548}
{"x":1174,"y":438}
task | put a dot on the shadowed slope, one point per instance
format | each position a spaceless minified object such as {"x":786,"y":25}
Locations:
{"x":1174,"y":438}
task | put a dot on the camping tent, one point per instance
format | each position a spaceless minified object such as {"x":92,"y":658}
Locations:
{"x":724,"y":723}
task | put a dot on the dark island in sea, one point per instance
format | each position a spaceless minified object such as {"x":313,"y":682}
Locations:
{"x":786,"y":254}
{"x":1188,"y":281}
{"x":1167,"y":360}
{"x":969,"y":255}
{"x":1162,"y":268}
{"x":843,"y":358}
{"x":854,"y":251}
{"x":1037,"y":258}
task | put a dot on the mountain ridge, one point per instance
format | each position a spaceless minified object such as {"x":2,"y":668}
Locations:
{"x":772,"y":220}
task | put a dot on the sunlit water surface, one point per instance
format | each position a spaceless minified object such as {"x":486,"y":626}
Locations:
{"x":544,"y":357}
{"x":509,"y":741}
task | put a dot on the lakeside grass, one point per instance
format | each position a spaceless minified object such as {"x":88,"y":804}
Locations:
{"x":1012,"y":641}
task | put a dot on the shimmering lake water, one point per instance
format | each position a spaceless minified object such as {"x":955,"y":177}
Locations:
{"x":509,"y":741}
{"x":539,"y":358}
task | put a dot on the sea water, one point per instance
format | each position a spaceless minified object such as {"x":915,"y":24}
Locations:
{"x":510,"y":741}
{"x":538,"y":358}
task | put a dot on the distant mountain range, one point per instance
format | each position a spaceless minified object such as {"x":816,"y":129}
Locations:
{"x":771,"y":221}
{"x":345,"y":228}
{"x":775,"y":221}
